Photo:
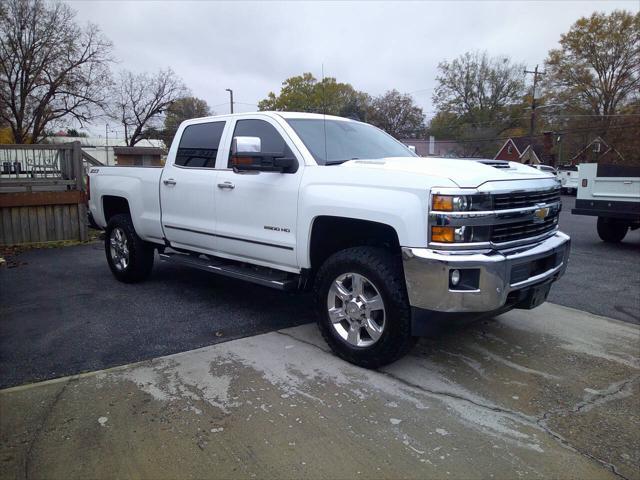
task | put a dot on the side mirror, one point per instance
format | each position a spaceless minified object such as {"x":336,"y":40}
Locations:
{"x":247,"y":156}
{"x":245,"y":145}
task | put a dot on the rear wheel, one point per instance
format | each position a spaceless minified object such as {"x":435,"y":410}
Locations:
{"x":364,"y":312}
{"x":130,"y":258}
{"x":611,"y":230}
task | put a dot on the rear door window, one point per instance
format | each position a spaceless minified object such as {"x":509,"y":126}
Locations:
{"x":199,"y":145}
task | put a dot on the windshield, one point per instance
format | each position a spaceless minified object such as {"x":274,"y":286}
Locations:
{"x":346,"y":141}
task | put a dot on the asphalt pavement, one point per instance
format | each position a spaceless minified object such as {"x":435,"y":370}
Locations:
{"x":62,"y":312}
{"x":601,"y":278}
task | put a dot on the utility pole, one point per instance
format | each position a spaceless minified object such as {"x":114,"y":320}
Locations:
{"x":106,"y":143}
{"x":231,"y":98}
{"x":559,"y":143}
{"x":532,"y":123}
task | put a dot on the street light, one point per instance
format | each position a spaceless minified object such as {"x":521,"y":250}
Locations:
{"x":231,"y":98}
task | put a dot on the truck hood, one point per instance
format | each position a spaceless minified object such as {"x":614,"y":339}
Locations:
{"x":464,"y":173}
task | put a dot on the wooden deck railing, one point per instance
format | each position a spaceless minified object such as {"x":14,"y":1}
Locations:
{"x":43,"y":193}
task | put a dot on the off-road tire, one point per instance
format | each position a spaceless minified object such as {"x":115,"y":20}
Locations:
{"x":611,"y":230}
{"x":384,"y":270}
{"x":141,"y":253}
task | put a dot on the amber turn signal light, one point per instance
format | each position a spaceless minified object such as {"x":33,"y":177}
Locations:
{"x":442,"y":203}
{"x":442,"y":234}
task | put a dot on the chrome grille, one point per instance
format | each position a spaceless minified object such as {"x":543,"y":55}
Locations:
{"x":521,"y":230}
{"x":523,"y":199}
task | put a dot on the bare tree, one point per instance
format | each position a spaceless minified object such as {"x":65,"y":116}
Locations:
{"x":396,"y":114}
{"x":50,"y":68}
{"x":477,"y":86}
{"x":141,"y":99}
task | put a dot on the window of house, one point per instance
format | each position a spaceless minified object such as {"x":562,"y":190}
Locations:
{"x":509,"y":149}
{"x":199,"y":145}
{"x":270,"y":140}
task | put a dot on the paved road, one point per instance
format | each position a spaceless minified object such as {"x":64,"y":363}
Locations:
{"x":62,"y":312}
{"x":601,"y":278}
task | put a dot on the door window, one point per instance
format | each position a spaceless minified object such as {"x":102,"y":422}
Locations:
{"x":199,"y":144}
{"x":270,"y":140}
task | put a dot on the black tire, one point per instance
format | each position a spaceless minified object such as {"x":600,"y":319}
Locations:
{"x":384,"y":271}
{"x":611,"y":230}
{"x":140,"y":253}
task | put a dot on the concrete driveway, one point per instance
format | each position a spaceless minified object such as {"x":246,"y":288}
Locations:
{"x":548,"y":393}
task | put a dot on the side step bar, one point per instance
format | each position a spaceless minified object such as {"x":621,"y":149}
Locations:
{"x":261,"y":275}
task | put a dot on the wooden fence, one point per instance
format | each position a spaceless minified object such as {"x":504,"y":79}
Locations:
{"x":43,"y":193}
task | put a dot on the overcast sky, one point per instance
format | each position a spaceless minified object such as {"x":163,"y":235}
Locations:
{"x":252,"y":47}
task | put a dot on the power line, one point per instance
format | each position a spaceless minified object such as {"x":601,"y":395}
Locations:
{"x":501,"y":123}
{"x":556,"y":132}
{"x":598,"y":115}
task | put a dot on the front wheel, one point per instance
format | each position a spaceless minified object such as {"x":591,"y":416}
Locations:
{"x":130,"y":258}
{"x":611,"y":231}
{"x":364,"y":312}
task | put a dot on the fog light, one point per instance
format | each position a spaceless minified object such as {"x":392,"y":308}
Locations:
{"x":455,"y":277}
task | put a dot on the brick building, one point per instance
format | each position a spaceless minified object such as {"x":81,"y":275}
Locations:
{"x":520,"y":149}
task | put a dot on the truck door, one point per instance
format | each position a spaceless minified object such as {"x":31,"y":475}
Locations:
{"x":188,"y":187}
{"x":257,"y":211}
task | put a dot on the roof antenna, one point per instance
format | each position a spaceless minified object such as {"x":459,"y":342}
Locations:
{"x":324,"y":116}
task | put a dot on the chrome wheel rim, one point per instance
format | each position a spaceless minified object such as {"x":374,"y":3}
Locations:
{"x":119,"y":249}
{"x":356,"y":310}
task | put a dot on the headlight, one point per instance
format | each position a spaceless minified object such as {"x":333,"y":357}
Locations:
{"x":460,"y":203}
{"x":460,"y":234}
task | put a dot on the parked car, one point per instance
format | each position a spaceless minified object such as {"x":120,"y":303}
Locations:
{"x":611,"y":193}
{"x":294,"y":201}
{"x":569,"y":178}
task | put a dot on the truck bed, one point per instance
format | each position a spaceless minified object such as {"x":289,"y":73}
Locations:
{"x":141,"y":186}
{"x":610,"y":191}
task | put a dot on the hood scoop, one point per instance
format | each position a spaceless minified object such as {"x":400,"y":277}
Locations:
{"x":501,"y":164}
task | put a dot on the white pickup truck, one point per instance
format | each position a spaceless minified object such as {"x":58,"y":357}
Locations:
{"x":611,"y":193}
{"x":387,"y":240}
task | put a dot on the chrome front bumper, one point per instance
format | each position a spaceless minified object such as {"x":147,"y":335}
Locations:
{"x":427,"y":274}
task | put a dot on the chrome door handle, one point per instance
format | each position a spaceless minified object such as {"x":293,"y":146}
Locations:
{"x":169,"y":181}
{"x":228,"y":185}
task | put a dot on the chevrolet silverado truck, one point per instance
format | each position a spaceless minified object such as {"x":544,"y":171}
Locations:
{"x":388,"y":241}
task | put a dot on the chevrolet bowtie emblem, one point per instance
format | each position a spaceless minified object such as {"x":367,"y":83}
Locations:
{"x":540,"y":214}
